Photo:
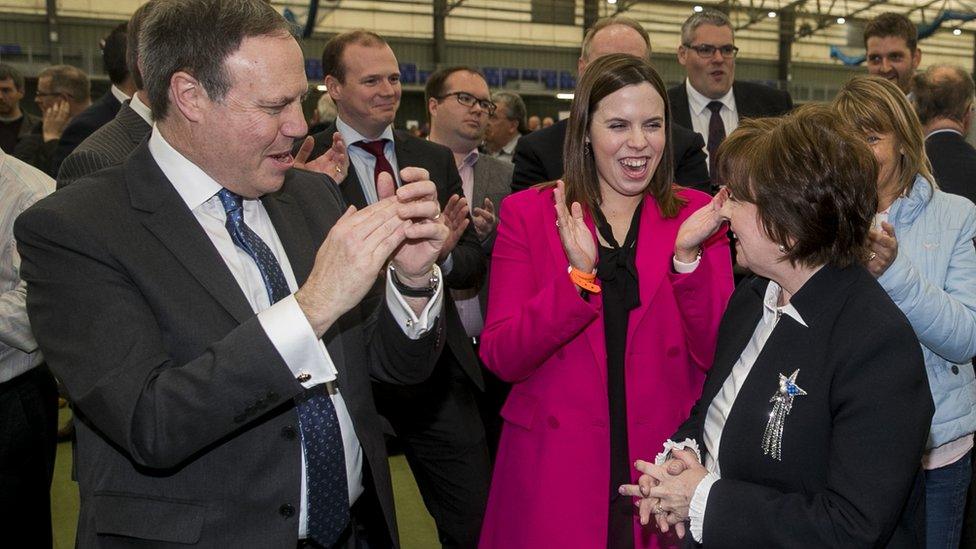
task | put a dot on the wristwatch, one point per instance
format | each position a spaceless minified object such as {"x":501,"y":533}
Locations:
{"x":408,"y":291}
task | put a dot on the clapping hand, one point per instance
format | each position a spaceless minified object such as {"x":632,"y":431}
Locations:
{"x":578,"y":242}
{"x":884,"y":249}
{"x":333,"y":162}
{"x":455,"y":218}
{"x":698,"y":227}
{"x":484,"y":219}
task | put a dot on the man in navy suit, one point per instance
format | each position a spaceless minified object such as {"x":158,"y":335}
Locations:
{"x":944,"y":103}
{"x":710,"y":100}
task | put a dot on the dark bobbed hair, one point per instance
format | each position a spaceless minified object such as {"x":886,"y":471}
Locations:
{"x":813,"y":181}
{"x":332,"y":64}
{"x":114,"y":55}
{"x":601,"y":78}
{"x":197,"y":36}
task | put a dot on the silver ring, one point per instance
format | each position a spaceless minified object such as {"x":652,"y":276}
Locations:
{"x":557,"y":223}
{"x":338,"y":170}
{"x":436,"y":217}
{"x":872,"y":256}
{"x":659,"y":510}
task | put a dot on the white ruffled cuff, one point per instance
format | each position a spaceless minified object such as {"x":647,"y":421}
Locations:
{"x":670,"y":446}
{"x":696,"y":509}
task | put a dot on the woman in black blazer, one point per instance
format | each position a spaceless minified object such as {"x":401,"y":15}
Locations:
{"x":815,"y":414}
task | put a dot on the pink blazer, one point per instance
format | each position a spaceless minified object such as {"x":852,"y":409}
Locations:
{"x":550,"y":486}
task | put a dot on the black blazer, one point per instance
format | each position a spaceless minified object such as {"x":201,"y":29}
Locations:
{"x":538,"y":157}
{"x":850,"y":473}
{"x":751,"y":101}
{"x":953,"y":163}
{"x":108,"y":146}
{"x":186,"y":424}
{"x":97,"y":114}
{"x":469,"y":263}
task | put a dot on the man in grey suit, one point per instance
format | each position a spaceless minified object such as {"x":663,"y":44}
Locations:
{"x":110,"y":144}
{"x":459,"y":104}
{"x":201,"y":304}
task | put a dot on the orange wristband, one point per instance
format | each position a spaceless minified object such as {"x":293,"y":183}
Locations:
{"x":584,"y":280}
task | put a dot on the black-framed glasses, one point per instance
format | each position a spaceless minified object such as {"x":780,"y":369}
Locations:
{"x":47,"y":94}
{"x":469,"y":100}
{"x":706,"y":51}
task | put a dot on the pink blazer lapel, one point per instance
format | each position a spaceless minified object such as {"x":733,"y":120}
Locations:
{"x":594,"y":332}
{"x":655,"y":246}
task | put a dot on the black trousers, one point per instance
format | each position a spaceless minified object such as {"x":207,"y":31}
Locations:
{"x":439,"y":427}
{"x":28,"y":444}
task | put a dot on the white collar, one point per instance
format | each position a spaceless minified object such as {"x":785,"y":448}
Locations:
{"x":190,"y":181}
{"x":771,"y":309}
{"x":509,"y":147}
{"x":943,"y":130}
{"x":119,"y":94}
{"x":141,"y":109}
{"x":698,"y":103}
{"x":350,"y":135}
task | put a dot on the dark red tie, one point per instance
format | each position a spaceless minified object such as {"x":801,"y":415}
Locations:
{"x":375,"y":148}
{"x":716,"y":134}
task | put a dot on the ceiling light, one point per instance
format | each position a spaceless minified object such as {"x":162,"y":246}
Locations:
{"x":957,"y":32}
{"x":611,"y":1}
{"x":566,"y":96}
{"x":771,"y":14}
{"x":698,"y":9}
{"x":841,"y":20}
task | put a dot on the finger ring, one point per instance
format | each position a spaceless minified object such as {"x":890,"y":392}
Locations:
{"x":658,"y":510}
{"x":338,"y":170}
{"x":436,"y":217}
{"x":872,"y":256}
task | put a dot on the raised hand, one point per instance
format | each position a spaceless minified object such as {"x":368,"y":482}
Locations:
{"x":578,"y":241}
{"x":55,"y":120}
{"x":455,"y":218}
{"x":425,"y":236}
{"x":484,"y":219}
{"x":698,"y":227}
{"x":883,"y":248}
{"x":333,"y":162}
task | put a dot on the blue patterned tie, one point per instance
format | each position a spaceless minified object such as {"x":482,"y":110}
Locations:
{"x":327,"y":487}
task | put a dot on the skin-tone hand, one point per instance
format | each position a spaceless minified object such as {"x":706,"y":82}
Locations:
{"x":884,"y":249}
{"x":333,"y":162}
{"x":675,"y":492}
{"x":484,"y":219}
{"x":578,"y":242}
{"x":455,"y":218}
{"x":698,"y":227}
{"x":425,"y":238}
{"x":648,"y":505}
{"x":55,"y":120}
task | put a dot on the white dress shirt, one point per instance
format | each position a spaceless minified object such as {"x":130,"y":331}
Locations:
{"x":721,"y":405}
{"x":119,"y":94}
{"x":701,"y":115}
{"x":21,"y":185}
{"x":364,"y":162}
{"x":141,"y":109}
{"x":284,"y":322}
{"x":467,"y":301}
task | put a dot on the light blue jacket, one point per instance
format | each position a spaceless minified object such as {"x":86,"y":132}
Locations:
{"x":933,"y":281}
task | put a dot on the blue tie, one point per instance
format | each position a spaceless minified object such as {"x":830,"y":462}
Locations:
{"x":327,"y":487}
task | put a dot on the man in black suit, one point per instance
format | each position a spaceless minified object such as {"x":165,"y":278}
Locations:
{"x":944,"y":103}
{"x":710,"y":100}
{"x":104,"y":110}
{"x":438,"y":421}
{"x":201,"y":304}
{"x":15,"y":123}
{"x":63,"y":92}
{"x":112,"y":143}
{"x":539,"y":155}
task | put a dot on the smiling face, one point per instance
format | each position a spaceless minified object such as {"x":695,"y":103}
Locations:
{"x":711,"y":77}
{"x":369,"y":96}
{"x":887,"y":151}
{"x":244,"y":141}
{"x":627,"y":135}
{"x":889,"y":57}
{"x":754,"y":250}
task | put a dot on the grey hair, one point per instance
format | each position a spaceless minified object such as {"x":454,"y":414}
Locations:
{"x":704,"y":17}
{"x":516,"y":107}
{"x":68,"y":80}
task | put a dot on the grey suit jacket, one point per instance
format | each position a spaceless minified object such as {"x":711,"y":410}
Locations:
{"x":185,"y":415}
{"x":492,"y":180}
{"x":108,"y":146}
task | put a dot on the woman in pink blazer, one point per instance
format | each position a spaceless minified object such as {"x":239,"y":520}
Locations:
{"x":603,"y":368}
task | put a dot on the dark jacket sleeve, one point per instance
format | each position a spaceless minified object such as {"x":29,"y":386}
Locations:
{"x":529,"y":168}
{"x":33,"y":150}
{"x":691,"y":163}
{"x":79,"y":164}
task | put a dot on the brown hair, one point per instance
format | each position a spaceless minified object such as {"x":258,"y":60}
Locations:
{"x":332,"y":52}
{"x":874,"y":104}
{"x":68,"y":80}
{"x":943,"y":91}
{"x":613,"y":72}
{"x":892,"y":24}
{"x":812,"y":179}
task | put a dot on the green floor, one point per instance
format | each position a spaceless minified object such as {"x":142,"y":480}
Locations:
{"x":416,"y":527}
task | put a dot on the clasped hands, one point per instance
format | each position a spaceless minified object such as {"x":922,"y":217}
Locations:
{"x":403,"y":228}
{"x":665,"y":491}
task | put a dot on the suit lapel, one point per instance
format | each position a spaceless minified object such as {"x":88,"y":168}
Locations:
{"x":168,"y":218}
{"x":679,"y":106}
{"x":479,"y":186}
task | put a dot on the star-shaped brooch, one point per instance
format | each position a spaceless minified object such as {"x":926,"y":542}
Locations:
{"x":782,"y":401}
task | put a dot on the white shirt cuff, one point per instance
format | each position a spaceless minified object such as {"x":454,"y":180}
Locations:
{"x":413,"y":325}
{"x":681,"y":267}
{"x":448,"y":264}
{"x":670,"y":446}
{"x":696,"y":509}
{"x":289,"y":331}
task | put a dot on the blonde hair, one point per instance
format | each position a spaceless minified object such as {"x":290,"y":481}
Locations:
{"x":874,"y":104}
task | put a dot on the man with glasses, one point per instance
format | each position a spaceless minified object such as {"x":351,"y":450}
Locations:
{"x":436,"y":421}
{"x":63,"y":92}
{"x":458,"y":106}
{"x":710,"y":100}
{"x":505,"y":126}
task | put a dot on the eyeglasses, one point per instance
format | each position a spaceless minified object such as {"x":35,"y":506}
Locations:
{"x":706,"y":51}
{"x":469,"y":100}
{"x":47,"y":94}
